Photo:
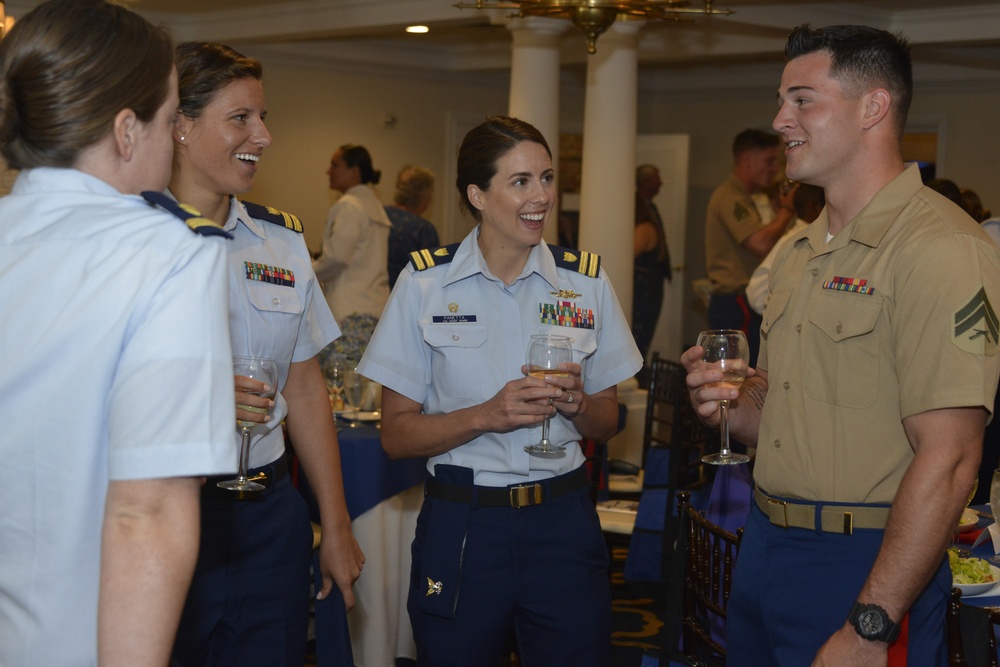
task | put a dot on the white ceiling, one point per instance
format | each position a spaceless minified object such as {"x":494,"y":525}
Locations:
{"x":948,"y":35}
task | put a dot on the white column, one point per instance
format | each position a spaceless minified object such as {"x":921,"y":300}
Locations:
{"x":534,"y":84}
{"x":607,"y":189}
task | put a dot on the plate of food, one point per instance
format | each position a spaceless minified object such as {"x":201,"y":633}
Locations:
{"x":973,"y":576}
{"x":968,"y":520}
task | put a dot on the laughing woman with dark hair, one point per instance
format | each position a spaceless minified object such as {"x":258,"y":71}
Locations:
{"x":250,"y":595}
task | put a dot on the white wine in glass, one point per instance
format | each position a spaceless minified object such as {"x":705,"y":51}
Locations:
{"x":545,"y":353}
{"x":728,"y":351}
{"x":266,"y":371}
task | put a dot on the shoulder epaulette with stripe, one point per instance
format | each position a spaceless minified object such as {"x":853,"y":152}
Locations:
{"x":274,"y":216}
{"x":194,"y":219}
{"x":580,"y":261}
{"x":428,"y":257}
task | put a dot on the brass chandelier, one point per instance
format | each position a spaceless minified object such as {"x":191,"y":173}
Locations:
{"x":593,"y":17}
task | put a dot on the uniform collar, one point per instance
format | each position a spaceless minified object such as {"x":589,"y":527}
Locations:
{"x":58,"y":178}
{"x":871,"y":225}
{"x":469,"y":261}
{"x":237,"y":214}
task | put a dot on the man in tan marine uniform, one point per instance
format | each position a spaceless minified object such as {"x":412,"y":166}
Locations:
{"x":877,"y":372}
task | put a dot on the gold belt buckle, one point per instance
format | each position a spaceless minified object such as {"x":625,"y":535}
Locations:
{"x":525,"y":495}
{"x":784,"y":512}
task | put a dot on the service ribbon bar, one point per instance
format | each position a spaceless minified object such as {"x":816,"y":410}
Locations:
{"x":856,"y":285}
{"x":266,"y":273}
{"x":566,"y":314}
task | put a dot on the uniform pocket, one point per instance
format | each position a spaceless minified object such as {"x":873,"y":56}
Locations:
{"x":456,"y":354}
{"x":845,"y":349}
{"x":273,"y":298}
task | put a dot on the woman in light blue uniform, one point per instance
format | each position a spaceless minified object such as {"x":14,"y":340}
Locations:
{"x":506,"y":541}
{"x":249,"y":599}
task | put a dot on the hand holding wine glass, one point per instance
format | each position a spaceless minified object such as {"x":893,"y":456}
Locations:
{"x":262,"y":370}
{"x":545,"y":353}
{"x":726,"y":350}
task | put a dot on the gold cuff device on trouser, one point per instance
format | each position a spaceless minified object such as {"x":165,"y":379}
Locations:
{"x":831,"y":518}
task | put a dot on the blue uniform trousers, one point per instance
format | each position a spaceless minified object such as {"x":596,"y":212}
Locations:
{"x":541,"y":571}
{"x":249,"y":600}
{"x":793,"y":588}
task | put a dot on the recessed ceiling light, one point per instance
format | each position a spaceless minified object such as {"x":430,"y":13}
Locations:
{"x":417,"y":29}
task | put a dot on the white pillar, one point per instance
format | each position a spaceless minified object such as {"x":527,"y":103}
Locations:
{"x":607,"y":188}
{"x":534,"y":84}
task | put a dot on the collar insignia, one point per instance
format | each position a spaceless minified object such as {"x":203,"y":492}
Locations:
{"x":434,"y":587}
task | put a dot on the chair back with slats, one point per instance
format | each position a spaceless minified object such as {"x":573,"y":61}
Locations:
{"x":711,"y":555}
{"x":970,"y":634}
{"x":671,"y":422}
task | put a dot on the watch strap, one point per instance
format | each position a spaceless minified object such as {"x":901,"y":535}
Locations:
{"x":889,"y":633}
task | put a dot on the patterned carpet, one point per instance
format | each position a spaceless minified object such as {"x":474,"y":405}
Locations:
{"x":636,"y":613}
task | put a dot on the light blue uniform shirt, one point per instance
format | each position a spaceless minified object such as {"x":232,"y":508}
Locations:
{"x":116,"y":366}
{"x":453,"y":335}
{"x":286,"y":319}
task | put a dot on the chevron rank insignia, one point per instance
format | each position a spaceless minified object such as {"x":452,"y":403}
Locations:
{"x":581,"y":261}
{"x":977,"y":328}
{"x":193,"y":218}
{"x":424,"y":259}
{"x":434,"y":587}
{"x":274,"y":216}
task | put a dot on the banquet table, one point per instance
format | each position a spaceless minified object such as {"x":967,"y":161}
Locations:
{"x":383,"y":500}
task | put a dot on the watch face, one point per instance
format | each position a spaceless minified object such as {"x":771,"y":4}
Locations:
{"x":870,"y":623}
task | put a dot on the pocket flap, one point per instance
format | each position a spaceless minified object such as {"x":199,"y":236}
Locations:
{"x":460,"y":335}
{"x":273,"y":298}
{"x":843,"y":316}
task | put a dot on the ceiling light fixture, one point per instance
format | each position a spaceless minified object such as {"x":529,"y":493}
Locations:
{"x":593,"y":17}
{"x":417,"y":29}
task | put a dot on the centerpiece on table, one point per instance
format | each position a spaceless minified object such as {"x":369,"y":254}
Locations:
{"x":345,"y":354}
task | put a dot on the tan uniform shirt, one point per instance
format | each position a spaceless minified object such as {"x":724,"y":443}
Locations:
{"x":731,"y":218}
{"x":893,"y":317}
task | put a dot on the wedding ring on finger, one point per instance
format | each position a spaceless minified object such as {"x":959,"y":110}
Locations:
{"x":570,"y":399}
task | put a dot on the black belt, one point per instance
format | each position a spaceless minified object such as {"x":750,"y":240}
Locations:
{"x":516,"y":496}
{"x":266,"y":475}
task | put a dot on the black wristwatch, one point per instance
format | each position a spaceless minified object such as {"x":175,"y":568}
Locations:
{"x":873,"y":623}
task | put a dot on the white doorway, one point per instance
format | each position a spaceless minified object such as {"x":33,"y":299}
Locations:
{"x":669,"y":154}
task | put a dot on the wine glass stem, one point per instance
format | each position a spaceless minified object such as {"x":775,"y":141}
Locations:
{"x":724,"y":427}
{"x":545,"y":433}
{"x":244,"y":454}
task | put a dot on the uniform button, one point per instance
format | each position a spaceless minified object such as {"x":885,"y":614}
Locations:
{"x":276,"y":301}
{"x":814,"y":272}
{"x":787,"y":385}
{"x":840,"y":327}
{"x":454,"y":336}
{"x":777,"y":444}
{"x":798,"y":328}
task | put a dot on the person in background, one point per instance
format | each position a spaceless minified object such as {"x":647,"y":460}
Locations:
{"x":116,"y":372}
{"x":249,"y":601}
{"x":735,"y":237}
{"x":414,"y":191}
{"x":506,"y":541}
{"x":652,"y":262}
{"x":353,"y":262}
{"x":950,"y":190}
{"x":808,"y":203}
{"x":974,"y":205}
{"x":877,"y":373}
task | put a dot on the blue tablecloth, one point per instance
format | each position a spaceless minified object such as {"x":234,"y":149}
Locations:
{"x":369,"y":475}
{"x":369,"y":478}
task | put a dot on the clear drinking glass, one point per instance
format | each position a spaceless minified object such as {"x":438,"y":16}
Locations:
{"x":727,"y":350}
{"x":354,"y":386}
{"x":545,"y":353}
{"x":266,"y":371}
{"x":995,"y":495}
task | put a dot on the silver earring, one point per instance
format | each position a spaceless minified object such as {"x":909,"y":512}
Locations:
{"x":183,"y":138}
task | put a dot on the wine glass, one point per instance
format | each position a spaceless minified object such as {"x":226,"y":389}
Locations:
{"x":545,"y":353}
{"x":354,"y":387}
{"x":335,"y":383}
{"x":726,"y":350}
{"x":995,"y":495}
{"x":266,"y":371}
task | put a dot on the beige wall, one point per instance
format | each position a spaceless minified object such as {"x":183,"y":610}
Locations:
{"x":312,"y":111}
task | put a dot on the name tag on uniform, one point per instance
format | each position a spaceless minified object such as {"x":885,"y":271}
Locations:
{"x":453,"y":319}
